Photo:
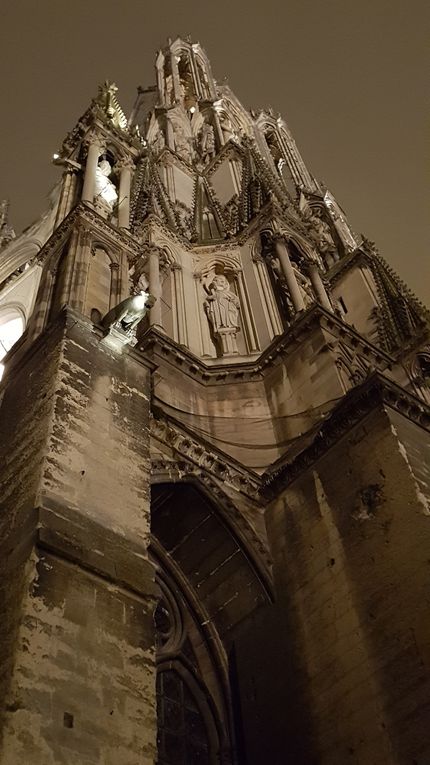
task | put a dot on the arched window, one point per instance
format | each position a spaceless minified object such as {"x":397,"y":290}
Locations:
{"x":12,"y":326}
{"x":182,"y":732}
{"x":187,"y":725}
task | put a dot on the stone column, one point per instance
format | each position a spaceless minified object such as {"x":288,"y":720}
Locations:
{"x":78,"y":282}
{"x":65,"y":285}
{"x":170,"y":134}
{"x":95,"y":148}
{"x":318,"y":286}
{"x":114,"y":297}
{"x":249,"y":327}
{"x":274,"y":324}
{"x":66,"y":197}
{"x":290,"y":277}
{"x":178,"y":297}
{"x":125,"y":167}
{"x":217,"y":125}
{"x":155,"y":286}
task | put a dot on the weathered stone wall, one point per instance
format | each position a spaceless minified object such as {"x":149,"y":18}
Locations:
{"x":253,"y":420}
{"x":350,"y":538}
{"x":77,"y":633}
{"x":356,"y":287}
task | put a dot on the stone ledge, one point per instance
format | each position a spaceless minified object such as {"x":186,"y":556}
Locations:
{"x":376,"y":391}
{"x":160,"y":345}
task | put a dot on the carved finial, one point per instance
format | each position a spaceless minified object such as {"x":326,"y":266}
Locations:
{"x":108,"y":102}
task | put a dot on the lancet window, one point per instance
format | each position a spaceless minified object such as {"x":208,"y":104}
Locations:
{"x":186,"y":732}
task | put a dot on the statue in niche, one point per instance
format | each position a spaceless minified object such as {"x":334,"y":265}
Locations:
{"x":168,"y":92}
{"x":186,"y":82}
{"x":105,"y":196}
{"x":182,"y":144}
{"x":207,"y":143}
{"x":222,"y":310}
{"x":280,"y":283}
{"x":138,"y":278}
{"x":126,"y":315}
{"x":321,"y":235}
{"x":273,"y":144}
{"x":204,"y":83}
{"x":304,"y":286}
{"x":226,"y":127}
{"x":158,"y":142}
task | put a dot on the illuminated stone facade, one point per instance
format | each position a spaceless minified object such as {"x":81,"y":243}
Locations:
{"x":215,"y":525}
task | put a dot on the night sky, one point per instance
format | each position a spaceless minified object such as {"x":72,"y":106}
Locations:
{"x":349,"y":77}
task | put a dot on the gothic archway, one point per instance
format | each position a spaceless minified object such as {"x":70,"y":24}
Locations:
{"x":209,"y":588}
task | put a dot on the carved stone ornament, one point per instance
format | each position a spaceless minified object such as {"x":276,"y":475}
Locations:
{"x":126,"y":315}
{"x":182,"y":144}
{"x":222,"y":310}
{"x":105,"y":196}
{"x":206,"y":143}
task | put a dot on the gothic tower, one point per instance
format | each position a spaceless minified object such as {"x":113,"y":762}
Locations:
{"x":214,"y":453}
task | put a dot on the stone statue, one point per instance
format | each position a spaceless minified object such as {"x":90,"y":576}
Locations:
{"x":321,"y":235}
{"x":182,"y":144}
{"x":127,"y":314}
{"x":168,"y":92}
{"x":158,"y":142}
{"x":226,"y":127}
{"x":207,"y":143}
{"x":105,"y":191}
{"x":304,"y":286}
{"x":280,"y":283}
{"x":222,"y":310}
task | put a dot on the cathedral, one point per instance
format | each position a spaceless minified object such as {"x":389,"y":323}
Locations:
{"x":215,"y":460}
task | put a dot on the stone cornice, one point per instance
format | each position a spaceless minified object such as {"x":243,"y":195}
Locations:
{"x":337,"y":271}
{"x":159,"y":343}
{"x":203,"y":455}
{"x":84,"y":213}
{"x":345,"y":332}
{"x":252,"y":370}
{"x":378,"y":390}
{"x":94,"y":117}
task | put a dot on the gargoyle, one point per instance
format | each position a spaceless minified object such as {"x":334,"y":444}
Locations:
{"x":127,"y":314}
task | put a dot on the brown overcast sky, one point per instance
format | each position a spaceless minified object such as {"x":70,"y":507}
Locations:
{"x":349,"y":77}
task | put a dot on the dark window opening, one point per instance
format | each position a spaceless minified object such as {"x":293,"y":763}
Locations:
{"x":182,"y":737}
{"x":343,"y":305}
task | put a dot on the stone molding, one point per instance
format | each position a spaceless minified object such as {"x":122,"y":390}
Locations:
{"x":252,"y":370}
{"x":202,"y":456}
{"x":172,"y":470}
{"x":376,"y":391}
{"x":81,"y":214}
